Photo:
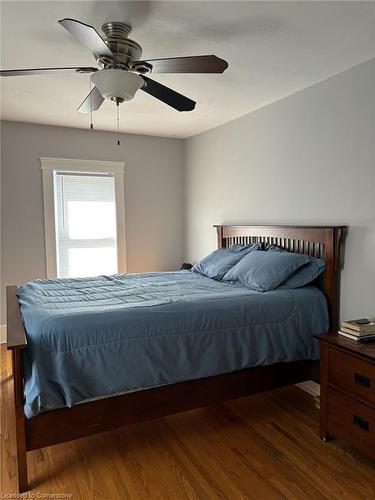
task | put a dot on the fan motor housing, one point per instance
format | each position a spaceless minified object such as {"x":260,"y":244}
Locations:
{"x":125,"y":49}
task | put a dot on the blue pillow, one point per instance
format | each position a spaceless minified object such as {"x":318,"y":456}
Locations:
{"x":217,"y":263}
{"x":248,"y":248}
{"x":304,"y":275}
{"x":263,"y":271}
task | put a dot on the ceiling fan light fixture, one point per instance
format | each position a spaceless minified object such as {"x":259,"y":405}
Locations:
{"x":117,"y":84}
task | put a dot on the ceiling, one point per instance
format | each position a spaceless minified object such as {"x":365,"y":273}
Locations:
{"x":273,"y":48}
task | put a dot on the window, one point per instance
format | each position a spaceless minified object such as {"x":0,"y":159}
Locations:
{"x":84,"y":217}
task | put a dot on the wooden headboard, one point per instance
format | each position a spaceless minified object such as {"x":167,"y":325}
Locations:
{"x":324,"y":242}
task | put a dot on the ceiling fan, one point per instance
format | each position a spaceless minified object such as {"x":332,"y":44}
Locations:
{"x":122,"y":72}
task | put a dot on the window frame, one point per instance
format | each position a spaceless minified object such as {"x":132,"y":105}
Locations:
{"x":51,"y":165}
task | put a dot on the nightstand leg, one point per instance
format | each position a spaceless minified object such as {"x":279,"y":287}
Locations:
{"x":323,"y":391}
{"x":325,"y":437}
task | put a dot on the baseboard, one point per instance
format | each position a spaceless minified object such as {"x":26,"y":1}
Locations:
{"x":3,"y":334}
{"x":311,"y":387}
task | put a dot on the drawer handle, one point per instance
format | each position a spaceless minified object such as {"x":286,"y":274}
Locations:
{"x":362,"y":380}
{"x":361,"y":423}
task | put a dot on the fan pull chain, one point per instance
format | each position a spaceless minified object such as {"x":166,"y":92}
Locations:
{"x":118,"y":123}
{"x":91,"y":125}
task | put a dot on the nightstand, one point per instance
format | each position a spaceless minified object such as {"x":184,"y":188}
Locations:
{"x":347,"y":391}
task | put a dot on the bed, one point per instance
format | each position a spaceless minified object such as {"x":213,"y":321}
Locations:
{"x":221,"y":340}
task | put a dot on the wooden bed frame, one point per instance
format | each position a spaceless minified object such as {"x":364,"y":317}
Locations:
{"x":85,"y":419}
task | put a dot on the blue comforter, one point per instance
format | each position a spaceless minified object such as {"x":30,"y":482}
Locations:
{"x":99,"y":336}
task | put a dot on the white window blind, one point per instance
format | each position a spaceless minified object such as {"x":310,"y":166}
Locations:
{"x":85,"y":223}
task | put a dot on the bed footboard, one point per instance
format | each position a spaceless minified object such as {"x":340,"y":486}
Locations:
{"x":16,"y":342}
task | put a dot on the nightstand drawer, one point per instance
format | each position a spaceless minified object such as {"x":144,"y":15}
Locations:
{"x":354,"y":376}
{"x":351,"y":420}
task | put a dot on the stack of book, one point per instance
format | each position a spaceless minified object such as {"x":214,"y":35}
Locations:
{"x":358,"y":329}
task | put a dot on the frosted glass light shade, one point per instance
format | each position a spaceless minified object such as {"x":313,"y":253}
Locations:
{"x":117,"y":83}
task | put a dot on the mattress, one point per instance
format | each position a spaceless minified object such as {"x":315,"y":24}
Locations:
{"x":95,"y":337}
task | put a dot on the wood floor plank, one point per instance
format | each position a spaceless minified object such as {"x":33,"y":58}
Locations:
{"x":225,"y":457}
{"x":261,"y":447}
{"x":270,"y":463}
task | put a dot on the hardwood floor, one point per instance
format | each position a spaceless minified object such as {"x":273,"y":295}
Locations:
{"x":261,"y":447}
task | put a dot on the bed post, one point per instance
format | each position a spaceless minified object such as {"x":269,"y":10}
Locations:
{"x":331,"y":276}
{"x":16,"y":342}
{"x":20,"y":421}
{"x":219,"y":233}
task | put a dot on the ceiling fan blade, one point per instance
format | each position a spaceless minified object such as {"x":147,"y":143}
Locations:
{"x":45,"y":71}
{"x":92,"y":102}
{"x":88,"y":36}
{"x":191,"y":64}
{"x":167,"y":95}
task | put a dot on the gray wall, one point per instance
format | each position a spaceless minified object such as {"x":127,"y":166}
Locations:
{"x":153,"y":195}
{"x":307,"y":159}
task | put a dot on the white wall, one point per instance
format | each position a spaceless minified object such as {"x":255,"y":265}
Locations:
{"x":153,"y":195}
{"x":307,"y":159}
